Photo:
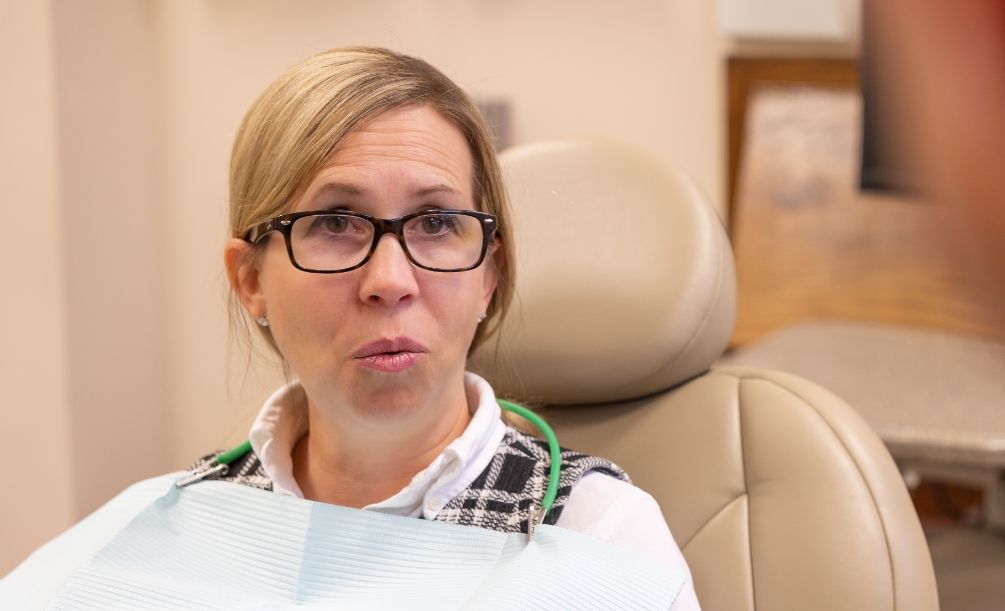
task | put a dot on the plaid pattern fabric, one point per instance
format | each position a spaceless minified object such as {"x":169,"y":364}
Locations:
{"x":516,"y":478}
{"x":246,"y":470}
{"x":499,"y":499}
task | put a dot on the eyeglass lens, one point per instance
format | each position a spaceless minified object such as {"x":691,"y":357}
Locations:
{"x":332,"y":242}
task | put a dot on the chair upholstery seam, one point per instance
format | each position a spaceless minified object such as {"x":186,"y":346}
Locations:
{"x":714,"y":515}
{"x":858,"y":467}
{"x":746,"y":488}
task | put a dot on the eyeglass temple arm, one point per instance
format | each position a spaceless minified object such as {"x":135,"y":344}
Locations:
{"x":255,"y":233}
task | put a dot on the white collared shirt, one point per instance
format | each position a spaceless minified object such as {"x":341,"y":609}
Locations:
{"x":599,"y":505}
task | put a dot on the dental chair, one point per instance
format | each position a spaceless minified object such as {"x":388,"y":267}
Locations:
{"x":779,"y":495}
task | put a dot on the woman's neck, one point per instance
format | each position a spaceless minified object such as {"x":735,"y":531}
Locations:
{"x":359,"y":464}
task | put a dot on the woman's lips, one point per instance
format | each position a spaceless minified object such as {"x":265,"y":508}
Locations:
{"x":390,"y":355}
{"x":397,"y":361}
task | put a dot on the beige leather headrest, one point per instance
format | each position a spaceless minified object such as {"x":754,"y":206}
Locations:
{"x":625,"y":281}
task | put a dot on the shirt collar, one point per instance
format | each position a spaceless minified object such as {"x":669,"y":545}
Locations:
{"x":283,"y":420}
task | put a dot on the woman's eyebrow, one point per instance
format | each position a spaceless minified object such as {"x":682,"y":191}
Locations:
{"x":437,"y":188}
{"x":340,"y":187}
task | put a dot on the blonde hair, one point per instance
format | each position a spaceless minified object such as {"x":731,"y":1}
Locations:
{"x":303,"y":117}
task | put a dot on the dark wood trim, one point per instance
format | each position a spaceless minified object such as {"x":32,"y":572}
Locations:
{"x":745,"y":74}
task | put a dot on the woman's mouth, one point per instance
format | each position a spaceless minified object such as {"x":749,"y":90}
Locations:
{"x":390,"y":355}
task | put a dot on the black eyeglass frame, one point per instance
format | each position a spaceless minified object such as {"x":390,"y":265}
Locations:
{"x":284,"y":225}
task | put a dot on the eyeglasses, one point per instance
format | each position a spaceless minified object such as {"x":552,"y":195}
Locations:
{"x":331,"y":242}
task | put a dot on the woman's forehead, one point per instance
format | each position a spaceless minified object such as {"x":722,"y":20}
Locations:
{"x":330,"y":195}
{"x":412,"y":148}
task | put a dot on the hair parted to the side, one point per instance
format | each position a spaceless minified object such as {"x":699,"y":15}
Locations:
{"x":305,"y":114}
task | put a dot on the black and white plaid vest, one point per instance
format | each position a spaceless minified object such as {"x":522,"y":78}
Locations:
{"x":499,"y":499}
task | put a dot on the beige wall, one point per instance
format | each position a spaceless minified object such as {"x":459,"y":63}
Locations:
{"x":113,"y":261}
{"x":37,"y":443}
{"x":117,"y":145}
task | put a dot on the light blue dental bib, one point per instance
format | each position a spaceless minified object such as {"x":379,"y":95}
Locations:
{"x":217,"y":545}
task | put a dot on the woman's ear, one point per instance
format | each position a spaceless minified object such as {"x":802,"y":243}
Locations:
{"x":243,"y":274}
{"x":496,"y":261}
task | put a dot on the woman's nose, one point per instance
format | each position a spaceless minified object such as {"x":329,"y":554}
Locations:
{"x":388,"y":277}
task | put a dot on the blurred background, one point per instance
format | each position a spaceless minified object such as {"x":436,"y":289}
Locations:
{"x":117,"y":122}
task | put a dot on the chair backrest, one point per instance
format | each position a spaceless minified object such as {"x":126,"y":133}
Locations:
{"x":777,"y":492}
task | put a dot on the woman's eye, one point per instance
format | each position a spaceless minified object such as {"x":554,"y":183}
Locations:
{"x":332,"y":224}
{"x":434,"y":225}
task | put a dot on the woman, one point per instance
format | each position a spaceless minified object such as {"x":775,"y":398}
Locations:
{"x":371,"y":246}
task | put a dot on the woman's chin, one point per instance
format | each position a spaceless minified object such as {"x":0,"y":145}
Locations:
{"x":384,"y":395}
